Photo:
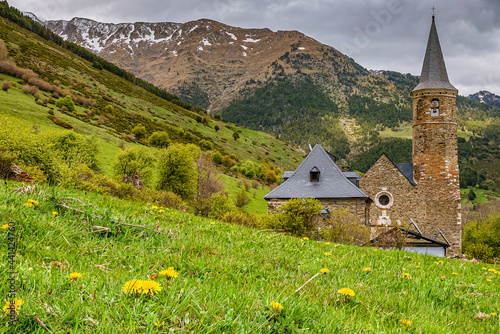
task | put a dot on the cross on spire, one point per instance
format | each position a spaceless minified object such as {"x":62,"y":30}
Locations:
{"x":433,"y":11}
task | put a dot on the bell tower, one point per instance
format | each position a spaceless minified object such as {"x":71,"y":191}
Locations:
{"x":435,"y":151}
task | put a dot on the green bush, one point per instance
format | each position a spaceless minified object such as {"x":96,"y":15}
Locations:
{"x":297,"y":216}
{"x":67,"y":102}
{"x":205,"y":144}
{"x":481,"y":252}
{"x":159,"y":139}
{"x":75,"y":148}
{"x":131,"y":160}
{"x":242,"y":199}
{"x":139,"y":131}
{"x":482,"y":232}
{"x":345,"y":228}
{"x":217,"y":157}
{"x":220,"y":206}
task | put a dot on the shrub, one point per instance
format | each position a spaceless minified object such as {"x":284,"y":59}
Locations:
{"x":220,"y":206}
{"x":31,"y":90}
{"x":67,"y":102}
{"x":130,"y":160}
{"x":60,"y":122}
{"x":481,"y":252}
{"x":207,"y":185}
{"x":297,"y":216}
{"x":181,"y":132}
{"x":6,"y":161}
{"x":346,"y":228}
{"x":216,"y":128}
{"x":159,"y":139}
{"x":242,"y":199}
{"x":483,"y":232}
{"x":241,"y":218}
{"x":217,"y":157}
{"x":74,"y":148}
{"x":6,"y":85}
{"x":205,"y":144}
{"x":471,"y":195}
{"x":139,"y":131}
{"x":236,"y":136}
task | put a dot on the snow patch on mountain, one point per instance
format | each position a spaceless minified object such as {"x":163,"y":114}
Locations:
{"x":232,"y":35}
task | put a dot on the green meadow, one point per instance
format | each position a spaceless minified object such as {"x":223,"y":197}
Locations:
{"x":228,"y":275}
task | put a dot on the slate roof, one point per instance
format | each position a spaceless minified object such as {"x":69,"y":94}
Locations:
{"x":286,"y":174}
{"x":434,"y":75}
{"x":332,"y":182}
{"x":407,"y":170}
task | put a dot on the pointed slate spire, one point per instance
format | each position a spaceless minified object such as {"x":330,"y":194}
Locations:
{"x":434,"y":75}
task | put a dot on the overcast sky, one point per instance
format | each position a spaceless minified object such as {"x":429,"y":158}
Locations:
{"x":378,"y":34}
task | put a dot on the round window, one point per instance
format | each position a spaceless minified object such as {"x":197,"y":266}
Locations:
{"x":384,"y":200}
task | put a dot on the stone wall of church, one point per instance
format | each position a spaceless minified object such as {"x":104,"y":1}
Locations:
{"x":358,"y":207}
{"x":385,"y":179}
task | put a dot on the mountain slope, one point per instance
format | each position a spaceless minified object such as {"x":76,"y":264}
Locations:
{"x":486,"y":97}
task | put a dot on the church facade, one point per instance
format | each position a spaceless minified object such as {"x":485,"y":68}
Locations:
{"x":422,"y":197}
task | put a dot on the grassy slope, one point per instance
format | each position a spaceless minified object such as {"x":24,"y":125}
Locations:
{"x":228,"y":275}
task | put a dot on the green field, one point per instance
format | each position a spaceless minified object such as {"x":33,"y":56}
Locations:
{"x":228,"y":275}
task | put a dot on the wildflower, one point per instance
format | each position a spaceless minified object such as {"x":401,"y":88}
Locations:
{"x":161,"y":211}
{"x":346,"y":292}
{"x":32,"y":201}
{"x":484,"y":268}
{"x":74,"y":276}
{"x":367,"y":270}
{"x":327,"y":243}
{"x":454,"y":273}
{"x":154,"y":207}
{"x":406,"y":276}
{"x":147,"y":204}
{"x":277,"y":307}
{"x":28,"y":205}
{"x":305,"y":238}
{"x":212,"y":223}
{"x":436,"y":262}
{"x":493,"y":314}
{"x":17,"y":303}
{"x":440,"y":261}
{"x":169,"y":272}
{"x":267,"y":236}
{"x":134,"y":285}
{"x":336,"y":245}
{"x":417,"y":267}
{"x":491,"y":269}
{"x":488,"y":280}
{"x":405,"y":322}
{"x":150,"y":287}
{"x":159,"y":324}
{"x":325,"y":270}
{"x":375,"y":249}
{"x":328,"y":254}
{"x":443,"y":278}
{"x":5,"y":226}
{"x":55,"y":213}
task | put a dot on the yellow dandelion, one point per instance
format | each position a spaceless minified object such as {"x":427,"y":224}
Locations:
{"x":74,"y":276}
{"x":492,"y":270}
{"x":305,"y":238}
{"x":325,"y":270}
{"x":436,"y":262}
{"x":277,"y":307}
{"x":405,"y":322}
{"x":328,"y":254}
{"x":150,"y":287}
{"x":32,"y":201}
{"x":55,"y":213}
{"x":134,"y":285}
{"x":159,"y":324}
{"x":336,"y":245}
{"x":161,"y":211}
{"x":327,"y":243}
{"x":346,"y":292}
{"x":375,"y":249}
{"x":28,"y":205}
{"x":5,"y":226}
{"x":267,"y":236}
{"x":406,"y":276}
{"x":454,"y":273}
{"x":17,"y":303}
{"x":484,"y":268}
{"x":212,"y":223}
{"x":488,"y":280}
{"x":154,"y":207}
{"x":169,"y":272}
{"x":493,"y":314}
{"x":148,"y":204}
{"x":417,"y":267}
{"x":367,"y":270}
{"x":440,"y":261}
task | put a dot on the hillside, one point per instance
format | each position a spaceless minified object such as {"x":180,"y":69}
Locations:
{"x":227,"y":275}
{"x":486,"y":97}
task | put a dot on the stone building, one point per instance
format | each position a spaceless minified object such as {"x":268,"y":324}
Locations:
{"x":421,"y":197}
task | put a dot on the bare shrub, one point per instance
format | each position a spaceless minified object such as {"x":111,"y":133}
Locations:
{"x":64,"y":109}
{"x":208,"y":183}
{"x":6,"y":85}
{"x":31,"y":90}
{"x":102,"y":120}
{"x":45,"y":101}
{"x":344,"y":227}
{"x":4,"y":54}
{"x":122,"y":144}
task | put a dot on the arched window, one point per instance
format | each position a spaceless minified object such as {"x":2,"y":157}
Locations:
{"x":435,"y":107}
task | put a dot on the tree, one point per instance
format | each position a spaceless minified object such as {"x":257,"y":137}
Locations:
{"x":139,"y":131}
{"x":177,"y":170}
{"x":297,"y":216}
{"x":131,"y":160}
{"x":471,"y":195}
{"x":236,"y":136}
{"x":208,"y":184}
{"x":67,"y":102}
{"x":159,"y":139}
{"x":242,"y":199}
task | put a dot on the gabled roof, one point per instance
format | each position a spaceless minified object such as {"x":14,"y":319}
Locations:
{"x":407,"y":170}
{"x":332,"y":182}
{"x":434,"y":75}
{"x":287,"y":174}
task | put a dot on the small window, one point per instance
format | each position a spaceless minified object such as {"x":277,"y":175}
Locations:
{"x":435,"y":107}
{"x":314,"y":174}
{"x":384,"y":200}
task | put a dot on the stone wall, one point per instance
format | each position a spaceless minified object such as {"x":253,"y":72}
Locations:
{"x":384,"y":178}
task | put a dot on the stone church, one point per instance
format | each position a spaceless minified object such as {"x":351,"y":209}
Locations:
{"x":421,"y":198}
